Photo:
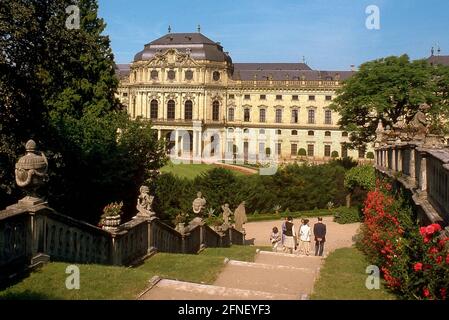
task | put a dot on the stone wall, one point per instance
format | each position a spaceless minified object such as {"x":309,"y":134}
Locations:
{"x":36,"y":231}
{"x":423,"y":171}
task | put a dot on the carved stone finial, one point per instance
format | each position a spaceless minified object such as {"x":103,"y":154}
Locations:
{"x":169,"y":29}
{"x":31,"y":174}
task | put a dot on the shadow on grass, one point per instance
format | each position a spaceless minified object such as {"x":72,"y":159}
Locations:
{"x":250,"y":242}
{"x":25,"y":295}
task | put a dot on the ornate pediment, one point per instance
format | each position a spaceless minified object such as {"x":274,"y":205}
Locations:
{"x":172,"y":58}
{"x":189,"y":96}
{"x":215,"y":96}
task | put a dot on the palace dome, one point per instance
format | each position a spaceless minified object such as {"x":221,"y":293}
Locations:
{"x":199,"y":46}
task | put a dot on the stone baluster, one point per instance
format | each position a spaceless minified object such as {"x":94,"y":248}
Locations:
{"x":423,"y":172}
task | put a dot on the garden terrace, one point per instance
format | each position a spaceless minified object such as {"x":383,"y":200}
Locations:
{"x":424,"y":171}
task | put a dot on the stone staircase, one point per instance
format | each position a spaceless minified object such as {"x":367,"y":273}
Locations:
{"x":272,"y":276}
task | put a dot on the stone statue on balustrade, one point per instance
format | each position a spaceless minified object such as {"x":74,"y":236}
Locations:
{"x":240,"y":217}
{"x":419,"y":125}
{"x":144,"y":202}
{"x":31,"y":174}
{"x":227,"y":213}
{"x":199,"y":204}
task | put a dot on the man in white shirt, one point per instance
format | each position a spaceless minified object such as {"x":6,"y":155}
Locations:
{"x":305,"y":233}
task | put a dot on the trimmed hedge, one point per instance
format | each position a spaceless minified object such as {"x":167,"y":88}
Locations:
{"x":344,"y":215}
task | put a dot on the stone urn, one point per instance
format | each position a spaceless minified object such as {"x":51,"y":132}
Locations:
{"x":111,"y":223}
{"x":31,"y":174}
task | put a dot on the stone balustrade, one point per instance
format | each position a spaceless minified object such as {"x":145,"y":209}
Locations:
{"x":39,"y":231}
{"x":424,"y":171}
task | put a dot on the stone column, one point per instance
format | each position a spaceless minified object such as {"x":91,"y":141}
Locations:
{"x":159,"y":133}
{"x":176,"y":143}
{"x":423,"y":169}
{"x":393,"y":159}
{"x":412,"y":164}
{"x":399,"y":168}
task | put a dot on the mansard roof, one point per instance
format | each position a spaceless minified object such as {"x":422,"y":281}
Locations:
{"x":197,"y":45}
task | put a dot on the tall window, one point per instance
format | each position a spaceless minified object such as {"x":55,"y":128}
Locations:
{"x":310,"y":150}
{"x":246,"y":115}
{"x":311,"y":116}
{"x":294,"y":149}
{"x":328,"y":117}
{"x":278,"y":148}
{"x":278,"y":115}
{"x":261,"y":149}
{"x":231,"y":114}
{"x":170,"y":110}
{"x":216,"y":111}
{"x":262,"y":115}
{"x":188,"y":110}
{"x":362,"y":152}
{"x":344,"y":151}
{"x":153,"y":109}
{"x":295,"y":117}
{"x":327,"y":150}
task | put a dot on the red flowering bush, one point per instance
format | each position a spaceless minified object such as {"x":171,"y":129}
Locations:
{"x":414,"y":261}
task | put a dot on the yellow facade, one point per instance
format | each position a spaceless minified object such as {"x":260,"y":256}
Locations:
{"x":204,"y":104}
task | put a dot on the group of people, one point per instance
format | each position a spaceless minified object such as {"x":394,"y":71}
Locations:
{"x":288,"y":238}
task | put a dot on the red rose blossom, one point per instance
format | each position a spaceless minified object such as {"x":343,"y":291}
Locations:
{"x":433,"y":250}
{"x":426,"y":292}
{"x":439,"y":259}
{"x":418,"y":266}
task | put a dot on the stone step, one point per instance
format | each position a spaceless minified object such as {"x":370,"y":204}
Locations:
{"x":267,"y":278}
{"x":285,"y":259}
{"x":166,"y":289}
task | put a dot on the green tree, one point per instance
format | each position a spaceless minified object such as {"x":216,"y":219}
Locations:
{"x":359,"y":177}
{"x":58,"y":86}
{"x":387,"y":89}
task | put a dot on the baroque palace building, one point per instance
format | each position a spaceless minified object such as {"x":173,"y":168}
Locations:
{"x":203,"y":103}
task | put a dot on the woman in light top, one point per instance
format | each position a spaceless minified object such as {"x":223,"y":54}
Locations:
{"x":305,"y":233}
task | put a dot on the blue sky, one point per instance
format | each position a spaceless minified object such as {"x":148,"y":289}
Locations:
{"x":331,"y":34}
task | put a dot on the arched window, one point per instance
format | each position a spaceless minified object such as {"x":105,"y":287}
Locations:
{"x":344,"y":134}
{"x":278,"y":115}
{"x":327,"y":134}
{"x":188,"y":110}
{"x":262,"y":131}
{"x":230,"y":130}
{"x":278,"y":132}
{"x":246,"y":130}
{"x":231,"y":114}
{"x":311,"y":133}
{"x":328,"y":117}
{"x":294,"y":132}
{"x":154,"y":109}
{"x":246,"y":114}
{"x":171,"y":74}
{"x":215,"y":111}
{"x":170,"y":110}
{"x":189,"y":75}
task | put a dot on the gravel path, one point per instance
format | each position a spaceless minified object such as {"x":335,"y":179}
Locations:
{"x":338,"y":235}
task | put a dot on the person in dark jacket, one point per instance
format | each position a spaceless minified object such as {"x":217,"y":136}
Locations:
{"x":319,"y":231}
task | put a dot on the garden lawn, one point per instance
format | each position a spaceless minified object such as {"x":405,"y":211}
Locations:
{"x":106,"y":282}
{"x":343,"y":278}
{"x":190,"y":171}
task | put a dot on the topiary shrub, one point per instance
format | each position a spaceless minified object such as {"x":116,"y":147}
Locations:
{"x":334,"y":154}
{"x":345,"y":215}
{"x":370,"y":155}
{"x":302,"y":152}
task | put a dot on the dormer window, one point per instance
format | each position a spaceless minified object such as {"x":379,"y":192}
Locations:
{"x":216,"y":76}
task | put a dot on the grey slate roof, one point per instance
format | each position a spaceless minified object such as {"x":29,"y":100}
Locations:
{"x":284,"y":71}
{"x":200,"y":47}
{"x":436,"y":60}
{"x":122,"y":70}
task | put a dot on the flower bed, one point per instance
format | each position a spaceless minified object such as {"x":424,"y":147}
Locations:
{"x":414,"y":261}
